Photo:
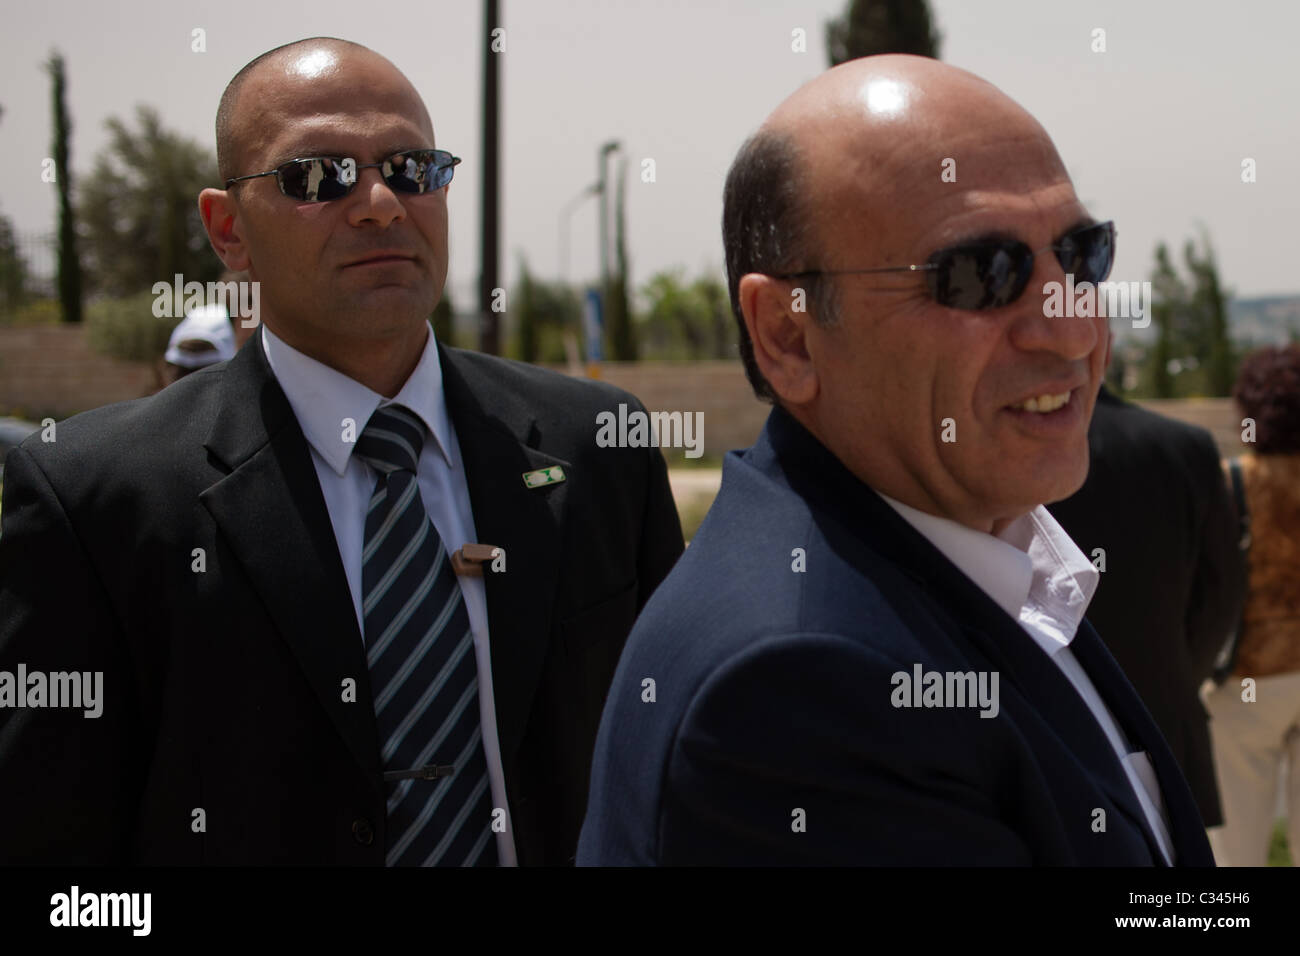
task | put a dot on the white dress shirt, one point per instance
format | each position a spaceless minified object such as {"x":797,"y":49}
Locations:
{"x":323,"y":400}
{"x":1038,"y":575}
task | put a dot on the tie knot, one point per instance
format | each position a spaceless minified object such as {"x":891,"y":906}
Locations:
{"x":391,"y":440}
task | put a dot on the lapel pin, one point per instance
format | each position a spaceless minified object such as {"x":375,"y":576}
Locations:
{"x":544,"y":476}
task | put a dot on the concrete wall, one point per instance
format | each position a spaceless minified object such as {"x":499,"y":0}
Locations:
{"x":49,"y":370}
{"x":733,"y":417}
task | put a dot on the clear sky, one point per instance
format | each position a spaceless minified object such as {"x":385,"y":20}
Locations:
{"x":1153,"y":131}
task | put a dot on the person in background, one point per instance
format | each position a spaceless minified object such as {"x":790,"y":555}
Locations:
{"x":204,"y":337}
{"x":1155,"y":516}
{"x":1255,"y":713}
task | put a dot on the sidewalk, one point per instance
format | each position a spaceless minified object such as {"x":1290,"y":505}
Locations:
{"x":694,"y":490}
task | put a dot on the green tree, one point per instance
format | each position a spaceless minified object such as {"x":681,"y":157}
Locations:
{"x":686,"y":320}
{"x":869,"y":27}
{"x":717,"y":305}
{"x":542,"y":311}
{"x":127,"y":329}
{"x":1169,"y":301}
{"x":1193,"y":352}
{"x":618,"y":317}
{"x":529,"y":321}
{"x":444,"y":325}
{"x":13,"y":270}
{"x":69,"y":262}
{"x":1209,"y":312}
{"x":140,"y":212}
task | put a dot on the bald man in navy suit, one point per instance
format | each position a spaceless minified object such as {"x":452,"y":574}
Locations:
{"x":874,"y":650}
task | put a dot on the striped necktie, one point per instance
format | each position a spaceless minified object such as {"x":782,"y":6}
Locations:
{"x":423,"y":672}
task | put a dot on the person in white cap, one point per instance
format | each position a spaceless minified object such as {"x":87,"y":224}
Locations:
{"x":204,"y":337}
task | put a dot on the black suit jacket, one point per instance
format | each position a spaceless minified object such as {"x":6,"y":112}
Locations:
{"x":1157,"y":504}
{"x":224,"y":687}
{"x":773,"y":694}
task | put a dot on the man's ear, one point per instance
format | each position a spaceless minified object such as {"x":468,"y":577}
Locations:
{"x":777,"y":319}
{"x":217,"y":210}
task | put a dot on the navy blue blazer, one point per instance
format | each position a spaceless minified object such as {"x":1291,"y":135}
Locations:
{"x":752,"y":721}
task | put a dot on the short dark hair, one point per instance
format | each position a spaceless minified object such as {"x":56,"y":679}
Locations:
{"x":1268,"y":390}
{"x":226,"y":158}
{"x":765,"y":229}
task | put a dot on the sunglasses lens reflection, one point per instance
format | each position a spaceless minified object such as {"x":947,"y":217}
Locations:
{"x":983,"y":276}
{"x":323,"y":179}
{"x":989,"y":275}
{"x":313,"y":180}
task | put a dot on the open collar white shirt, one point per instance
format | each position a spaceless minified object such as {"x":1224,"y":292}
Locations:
{"x":325,"y":401}
{"x":1038,"y":575}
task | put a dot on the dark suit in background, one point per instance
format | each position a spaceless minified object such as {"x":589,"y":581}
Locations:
{"x":223,"y":689}
{"x":773,"y":695}
{"x":1155,"y":501}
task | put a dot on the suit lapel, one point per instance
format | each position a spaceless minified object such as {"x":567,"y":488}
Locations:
{"x":271,"y":511}
{"x":498,"y":437}
{"x":1024,"y":665}
{"x":1186,"y":829}
{"x":819,"y":477}
{"x":1042,"y":682}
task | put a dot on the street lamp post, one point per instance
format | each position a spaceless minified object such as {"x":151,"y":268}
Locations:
{"x":566,"y":220}
{"x":602,"y":165}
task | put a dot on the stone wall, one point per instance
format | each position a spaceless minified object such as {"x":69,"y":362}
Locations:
{"x":51,"y":371}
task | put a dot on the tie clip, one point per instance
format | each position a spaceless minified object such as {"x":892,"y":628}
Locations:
{"x":468,"y":559}
{"x":431,"y":772}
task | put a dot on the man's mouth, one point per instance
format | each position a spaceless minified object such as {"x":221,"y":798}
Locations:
{"x":381,"y":258}
{"x":1042,"y":403}
{"x":1049,"y":414}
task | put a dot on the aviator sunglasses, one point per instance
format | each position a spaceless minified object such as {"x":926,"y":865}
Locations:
{"x":991,"y":273}
{"x":322,"y":178}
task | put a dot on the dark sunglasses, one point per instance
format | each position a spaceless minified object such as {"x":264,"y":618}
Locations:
{"x":991,"y":273}
{"x":322,"y":178}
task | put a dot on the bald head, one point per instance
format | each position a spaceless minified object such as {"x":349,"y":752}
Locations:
{"x":976,"y":413}
{"x":349,"y":279}
{"x":287,"y":69}
{"x":872,"y":135}
{"x":899,"y":91}
{"x":852,"y":151}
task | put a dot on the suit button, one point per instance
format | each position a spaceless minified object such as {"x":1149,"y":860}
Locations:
{"x":363,"y":832}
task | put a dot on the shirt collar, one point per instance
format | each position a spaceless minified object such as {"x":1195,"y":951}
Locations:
{"x":322,"y":398}
{"x":1032,"y":570}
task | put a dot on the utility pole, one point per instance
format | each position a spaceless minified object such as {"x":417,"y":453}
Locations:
{"x":489,"y":252}
{"x":602,"y":169}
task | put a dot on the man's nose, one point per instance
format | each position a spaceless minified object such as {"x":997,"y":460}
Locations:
{"x":374,"y":200}
{"x":1050,"y":321}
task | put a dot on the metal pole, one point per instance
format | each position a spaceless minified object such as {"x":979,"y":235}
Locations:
{"x":566,"y":220}
{"x":602,"y":164}
{"x":489,"y":270}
